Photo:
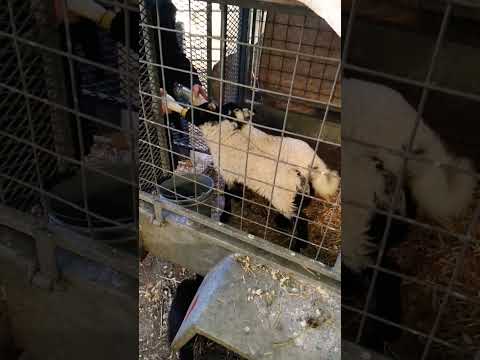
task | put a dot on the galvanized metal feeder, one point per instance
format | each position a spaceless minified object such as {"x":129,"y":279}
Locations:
{"x":261,"y":312}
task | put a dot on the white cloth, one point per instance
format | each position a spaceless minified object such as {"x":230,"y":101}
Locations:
{"x":329,"y":10}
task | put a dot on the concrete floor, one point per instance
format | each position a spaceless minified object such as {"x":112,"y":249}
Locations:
{"x":92,"y":314}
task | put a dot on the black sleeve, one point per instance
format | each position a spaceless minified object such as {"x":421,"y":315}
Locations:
{"x":172,"y":55}
{"x":117,"y":29}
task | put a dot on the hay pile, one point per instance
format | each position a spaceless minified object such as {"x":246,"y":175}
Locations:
{"x":319,"y":212}
{"x":432,"y":257}
{"x":324,"y":231}
{"x":328,"y":234}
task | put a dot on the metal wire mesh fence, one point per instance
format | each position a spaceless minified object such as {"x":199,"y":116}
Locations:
{"x":232,"y":40}
{"x":416,"y":300}
{"x":314,"y":75}
{"x":68,"y":144}
{"x":18,"y":160}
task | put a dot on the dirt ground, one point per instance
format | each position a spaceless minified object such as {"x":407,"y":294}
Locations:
{"x":158,"y":281}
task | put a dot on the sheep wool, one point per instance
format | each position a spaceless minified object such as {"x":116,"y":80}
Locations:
{"x":388,"y":124}
{"x":230,"y":157}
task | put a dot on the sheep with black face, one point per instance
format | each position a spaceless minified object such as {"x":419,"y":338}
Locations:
{"x":299,"y":167}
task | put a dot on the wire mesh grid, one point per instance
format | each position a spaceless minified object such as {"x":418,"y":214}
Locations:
{"x":436,"y":263}
{"x":196,"y":49}
{"x":315,"y":76}
{"x":106,"y":85}
{"x":317,"y":218}
{"x":19,"y":160}
{"x":59,"y":151}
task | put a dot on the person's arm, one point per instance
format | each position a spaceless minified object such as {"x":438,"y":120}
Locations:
{"x":174,"y":57}
{"x":106,"y":19}
{"x":115,"y":24}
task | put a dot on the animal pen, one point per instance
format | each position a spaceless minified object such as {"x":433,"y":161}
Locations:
{"x":280,"y":64}
{"x":408,"y":46}
{"x":80,"y":110}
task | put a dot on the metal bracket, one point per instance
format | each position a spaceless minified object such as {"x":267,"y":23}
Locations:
{"x":47,"y":273}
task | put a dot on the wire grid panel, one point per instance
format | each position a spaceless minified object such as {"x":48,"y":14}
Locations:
{"x":231,"y":73}
{"x":64,"y":151}
{"x":19,"y":161}
{"x":107,"y":85}
{"x":315,"y":75}
{"x":151,"y":112}
{"x":193,"y":17}
{"x":251,"y":211}
{"x":419,"y":301}
{"x":206,"y":20}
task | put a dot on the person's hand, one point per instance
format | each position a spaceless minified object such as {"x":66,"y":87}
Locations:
{"x":197,"y":90}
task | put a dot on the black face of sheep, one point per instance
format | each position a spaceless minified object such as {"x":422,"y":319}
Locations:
{"x":209,"y":113}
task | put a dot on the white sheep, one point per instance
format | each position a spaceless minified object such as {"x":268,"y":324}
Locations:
{"x":378,"y":115}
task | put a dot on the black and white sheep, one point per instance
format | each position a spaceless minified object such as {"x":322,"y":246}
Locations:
{"x":380,"y":116}
{"x":228,"y":141}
